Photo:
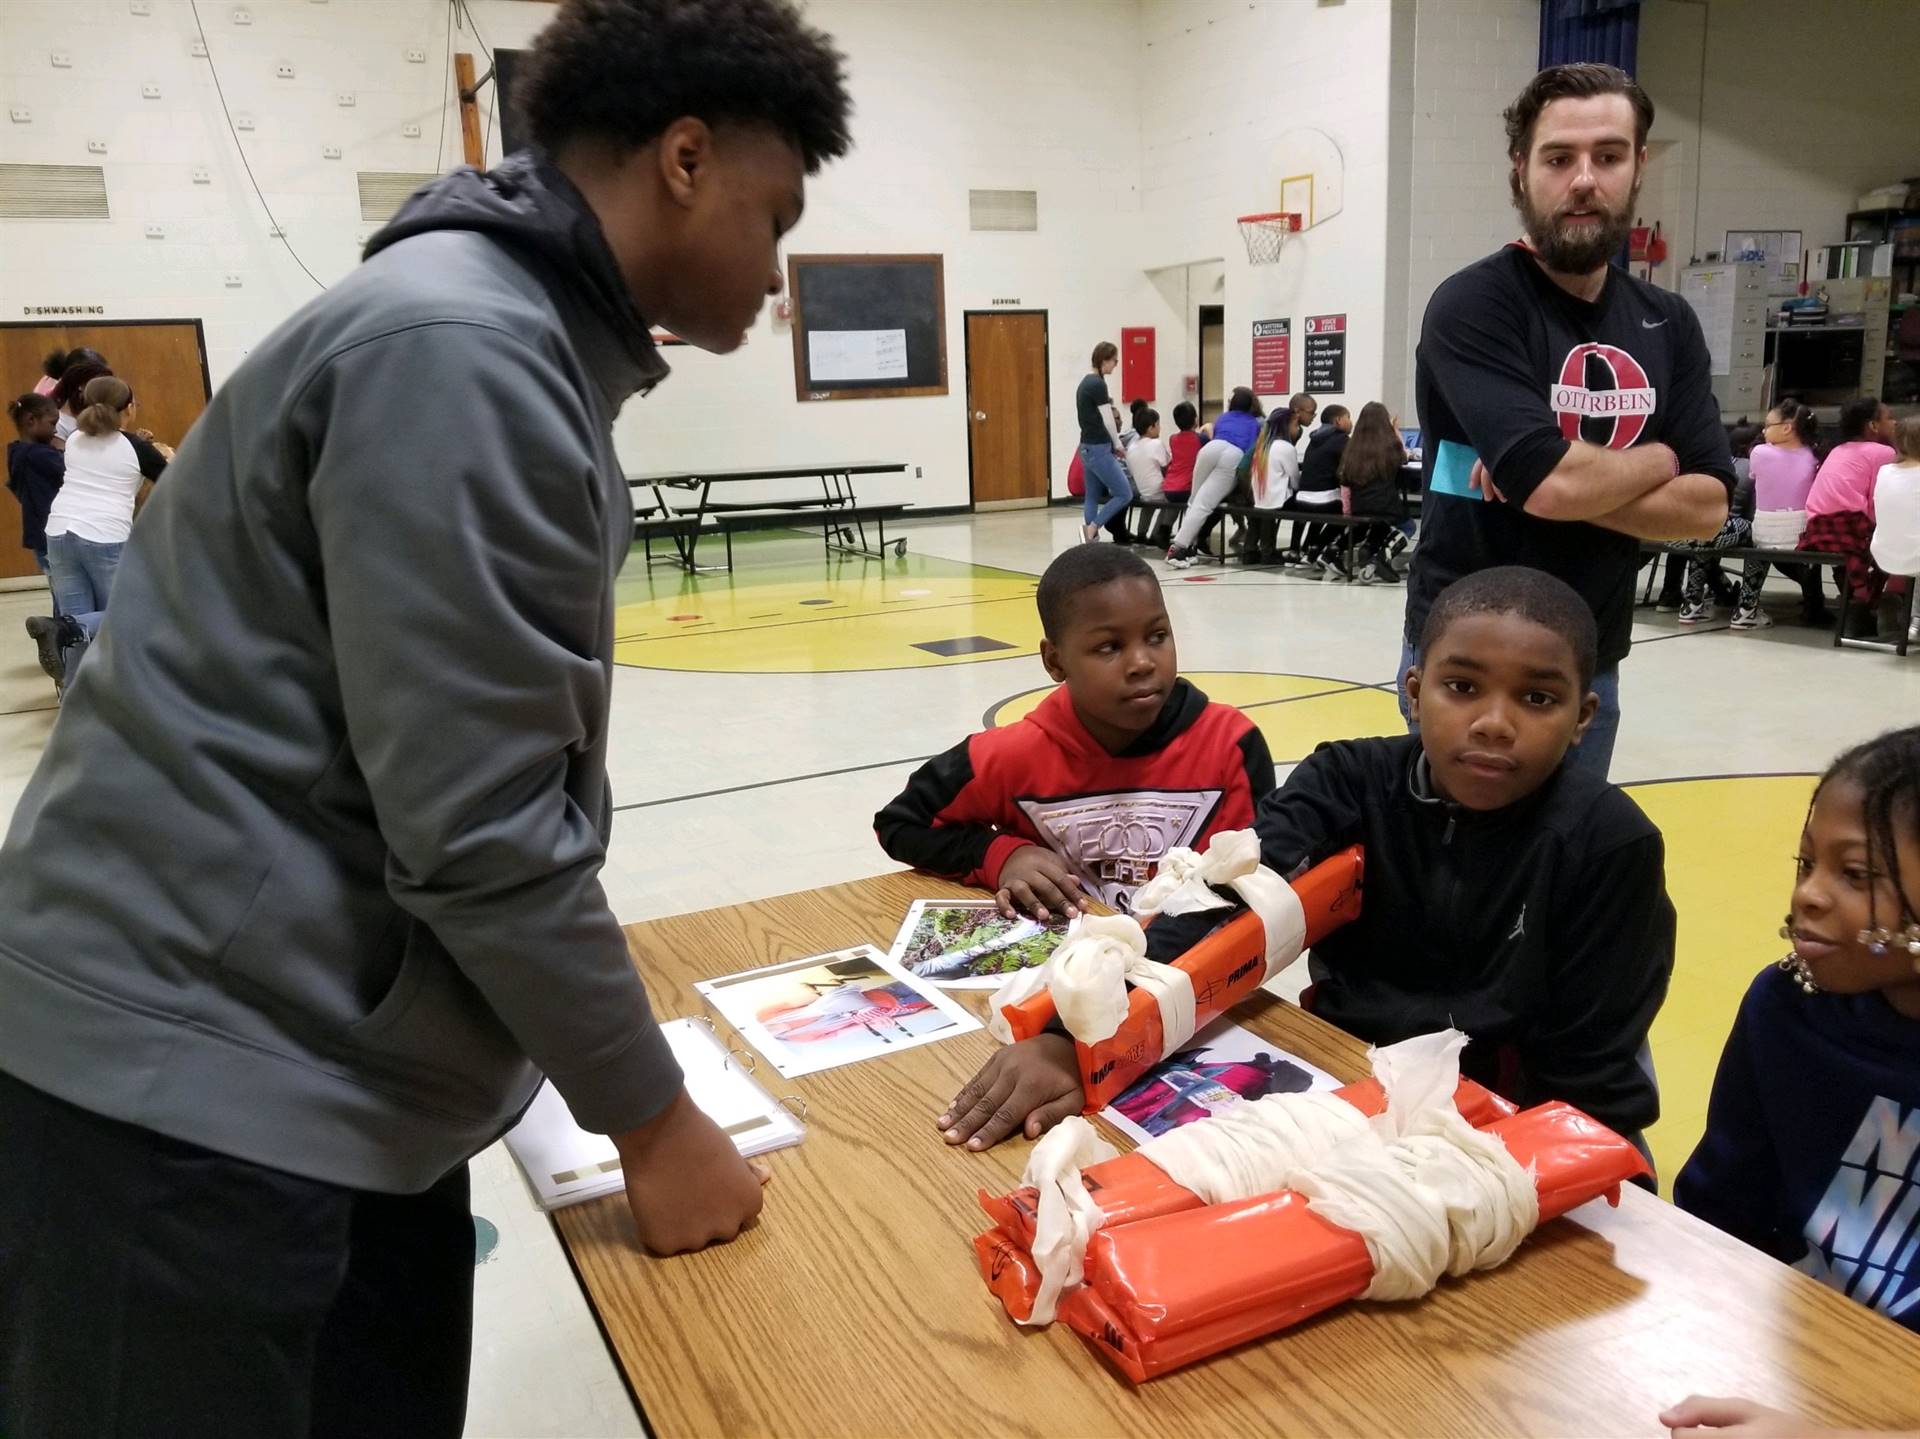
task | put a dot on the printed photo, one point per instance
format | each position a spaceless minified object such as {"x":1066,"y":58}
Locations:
{"x":1225,"y":1065}
{"x":833,"y":1009}
{"x":969,"y":944}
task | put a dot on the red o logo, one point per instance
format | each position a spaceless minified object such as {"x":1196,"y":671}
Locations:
{"x":1603,"y":396}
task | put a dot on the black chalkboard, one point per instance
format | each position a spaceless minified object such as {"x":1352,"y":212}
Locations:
{"x":854,"y":315}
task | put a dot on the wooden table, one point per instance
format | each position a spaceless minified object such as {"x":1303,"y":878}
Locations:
{"x":854,"y":1307}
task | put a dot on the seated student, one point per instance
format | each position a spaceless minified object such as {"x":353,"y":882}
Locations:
{"x":1319,"y":493}
{"x":1840,"y":504}
{"x":35,"y":469}
{"x":1183,"y":447}
{"x":1896,"y":525}
{"x":1272,"y":478}
{"x":1305,"y":408}
{"x":1369,"y":474}
{"x":1147,"y":455}
{"x":1085,"y":794}
{"x":1812,"y":1123}
{"x":1229,"y":440}
{"x":1781,"y":468}
{"x":1509,"y":895}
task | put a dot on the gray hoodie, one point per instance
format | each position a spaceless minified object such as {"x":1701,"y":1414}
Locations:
{"x":309,"y":871}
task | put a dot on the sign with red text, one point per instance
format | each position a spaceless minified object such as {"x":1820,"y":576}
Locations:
{"x":1272,"y":357}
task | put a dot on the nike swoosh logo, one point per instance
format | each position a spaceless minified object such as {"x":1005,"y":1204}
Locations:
{"x":1651,"y":324}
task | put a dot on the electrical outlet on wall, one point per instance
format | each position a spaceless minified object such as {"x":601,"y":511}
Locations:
{"x":344,"y":98}
{"x":410,"y":131}
{"x":156,"y":232}
{"x":416,"y":55}
{"x":242,"y":120}
{"x":149,"y":92}
{"x":201,"y":175}
{"x":283,"y":71}
{"x":96,"y":147}
{"x":329,"y":152}
{"x":62,"y":59}
{"x":139,"y":7}
{"x":232,"y":280}
{"x":243,"y":17}
{"x":274,"y":232}
{"x":20,"y":114}
{"x":197,"y":48}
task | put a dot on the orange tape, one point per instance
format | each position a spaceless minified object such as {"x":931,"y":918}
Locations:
{"x":1226,"y":967}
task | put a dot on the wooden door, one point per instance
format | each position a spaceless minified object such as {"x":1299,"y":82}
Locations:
{"x":164,"y":360}
{"x":1007,"y":407}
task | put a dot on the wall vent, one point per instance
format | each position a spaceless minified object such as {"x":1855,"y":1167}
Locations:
{"x":1004,"y":209}
{"x":53,"y":192}
{"x":382,"y":191}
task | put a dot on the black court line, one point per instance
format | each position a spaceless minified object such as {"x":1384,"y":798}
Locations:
{"x":1682,"y":634}
{"x":641,"y":636}
{"x":29,"y":710}
{"x":1295,"y":699}
{"x":770,"y":783}
{"x":1704,"y":778}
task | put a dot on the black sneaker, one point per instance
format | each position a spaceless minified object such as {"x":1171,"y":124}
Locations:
{"x":49,"y":635}
{"x":1382,"y":572}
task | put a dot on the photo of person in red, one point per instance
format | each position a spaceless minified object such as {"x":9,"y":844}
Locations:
{"x":1195,"y":1083}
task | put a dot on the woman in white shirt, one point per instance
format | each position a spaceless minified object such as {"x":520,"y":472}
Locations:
{"x":90,"y":520}
{"x":1896,"y":524}
{"x":1274,"y":475}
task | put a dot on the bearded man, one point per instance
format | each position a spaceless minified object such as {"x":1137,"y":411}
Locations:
{"x":1566,"y":406}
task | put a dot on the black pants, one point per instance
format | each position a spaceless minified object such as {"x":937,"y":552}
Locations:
{"x":153,"y":1288}
{"x":1317,"y":537}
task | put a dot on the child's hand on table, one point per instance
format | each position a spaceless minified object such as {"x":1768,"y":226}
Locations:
{"x":687,"y":1185}
{"x":1701,"y":1416}
{"x":1036,"y":881}
{"x":1030,"y":1086}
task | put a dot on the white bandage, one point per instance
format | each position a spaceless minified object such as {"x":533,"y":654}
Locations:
{"x":1088,"y":977}
{"x":1186,"y":883}
{"x":1067,"y":1214}
{"x":1428,"y":1193}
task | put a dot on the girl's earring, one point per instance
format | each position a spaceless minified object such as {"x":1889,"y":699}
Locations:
{"x":1877,"y":940}
{"x":1794,"y":967}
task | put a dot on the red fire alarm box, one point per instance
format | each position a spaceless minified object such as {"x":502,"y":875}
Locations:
{"x":1136,"y":364}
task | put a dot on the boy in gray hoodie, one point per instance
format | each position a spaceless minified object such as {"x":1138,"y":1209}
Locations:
{"x":303,"y":898}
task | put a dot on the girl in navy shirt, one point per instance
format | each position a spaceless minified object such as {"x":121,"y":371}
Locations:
{"x":1812,"y":1149}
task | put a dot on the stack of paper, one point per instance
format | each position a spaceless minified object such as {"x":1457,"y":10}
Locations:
{"x":566,"y":1165}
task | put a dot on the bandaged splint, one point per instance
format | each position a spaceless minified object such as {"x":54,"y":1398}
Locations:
{"x":1265,"y":1214}
{"x":1125,"y":1012}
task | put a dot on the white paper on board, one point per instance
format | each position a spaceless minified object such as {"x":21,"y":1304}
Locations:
{"x":856,"y":355}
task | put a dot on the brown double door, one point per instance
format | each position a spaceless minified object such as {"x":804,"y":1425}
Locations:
{"x":164,"y":360}
{"x":1007,"y":407}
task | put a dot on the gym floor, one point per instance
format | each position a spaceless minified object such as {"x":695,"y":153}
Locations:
{"x":762,"y":717}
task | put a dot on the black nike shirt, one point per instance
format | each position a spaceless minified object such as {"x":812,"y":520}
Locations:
{"x":1514,"y":368}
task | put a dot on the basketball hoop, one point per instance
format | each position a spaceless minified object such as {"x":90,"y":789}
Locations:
{"x":1266,"y":235}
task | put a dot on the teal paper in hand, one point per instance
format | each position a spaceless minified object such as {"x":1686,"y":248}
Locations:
{"x":1453,"y":472}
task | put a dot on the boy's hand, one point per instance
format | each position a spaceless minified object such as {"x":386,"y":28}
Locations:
{"x":1030,"y":1086}
{"x":1036,"y":881}
{"x":687,"y":1185}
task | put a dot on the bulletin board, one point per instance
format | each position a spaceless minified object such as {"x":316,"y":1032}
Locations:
{"x":868,"y":327}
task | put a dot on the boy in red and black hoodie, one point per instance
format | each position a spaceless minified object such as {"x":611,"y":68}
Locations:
{"x":1120,"y":764}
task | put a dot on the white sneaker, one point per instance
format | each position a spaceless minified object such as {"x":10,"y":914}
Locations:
{"x":1751,"y":619}
{"x":1177,"y":561}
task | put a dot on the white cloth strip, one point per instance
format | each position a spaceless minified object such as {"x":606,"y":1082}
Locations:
{"x":1249,"y":1149}
{"x":1067,"y":1214}
{"x":1186,"y":883}
{"x":1088,"y":977}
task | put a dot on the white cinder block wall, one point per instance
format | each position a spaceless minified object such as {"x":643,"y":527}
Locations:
{"x":1221,"y":81}
{"x":1804,"y":107}
{"x":1470,"y":58}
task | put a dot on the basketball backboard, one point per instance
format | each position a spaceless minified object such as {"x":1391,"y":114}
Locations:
{"x":1309,"y":176}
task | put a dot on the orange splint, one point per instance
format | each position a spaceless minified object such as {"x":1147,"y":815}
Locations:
{"x":1170,"y":1279}
{"x":1226,"y":967}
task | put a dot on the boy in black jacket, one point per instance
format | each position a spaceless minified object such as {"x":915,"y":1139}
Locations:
{"x":1507,"y":894}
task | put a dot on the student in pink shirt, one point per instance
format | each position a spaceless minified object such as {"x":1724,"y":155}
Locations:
{"x":1840,"y":505}
{"x":1781,"y":470}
